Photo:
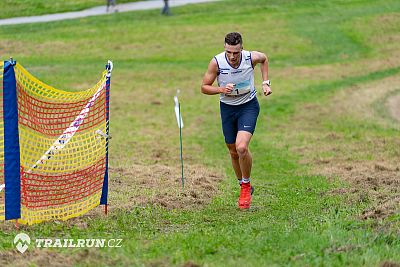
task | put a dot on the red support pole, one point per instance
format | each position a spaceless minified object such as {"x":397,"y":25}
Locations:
{"x":106,"y":209}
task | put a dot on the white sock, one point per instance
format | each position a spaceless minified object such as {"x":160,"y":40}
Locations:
{"x":246,"y":180}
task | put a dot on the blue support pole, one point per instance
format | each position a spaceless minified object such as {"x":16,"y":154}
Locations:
{"x":11,"y":144}
{"x":104,"y":193}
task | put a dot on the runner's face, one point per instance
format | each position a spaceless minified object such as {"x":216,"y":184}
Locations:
{"x":233,"y":53}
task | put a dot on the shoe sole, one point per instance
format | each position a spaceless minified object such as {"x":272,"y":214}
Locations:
{"x":243,"y":207}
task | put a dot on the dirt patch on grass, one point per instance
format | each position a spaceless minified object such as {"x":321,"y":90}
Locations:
{"x":376,"y":183}
{"x":360,"y":101}
{"x":394,"y":107}
{"x":50,"y":257}
{"x":389,"y":264}
{"x":190,"y":264}
{"x":377,"y":180}
{"x":367,"y":160}
{"x":161,"y":185}
{"x":34,"y":257}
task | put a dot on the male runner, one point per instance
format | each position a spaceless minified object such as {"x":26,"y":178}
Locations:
{"x":234,"y":71}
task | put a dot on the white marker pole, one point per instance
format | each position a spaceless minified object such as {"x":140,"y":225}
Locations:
{"x":180,"y":125}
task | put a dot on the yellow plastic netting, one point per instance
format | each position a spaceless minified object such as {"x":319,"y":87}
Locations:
{"x":62,"y":139}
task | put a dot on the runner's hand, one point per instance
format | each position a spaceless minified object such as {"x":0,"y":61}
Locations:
{"x":228,"y":88}
{"x":267,"y":90}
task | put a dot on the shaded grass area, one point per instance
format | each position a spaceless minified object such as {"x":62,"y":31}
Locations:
{"x":294,"y":220}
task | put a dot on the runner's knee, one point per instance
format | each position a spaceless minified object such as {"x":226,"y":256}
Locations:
{"x":242,"y":149}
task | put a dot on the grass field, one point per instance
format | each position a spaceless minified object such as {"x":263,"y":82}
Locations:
{"x":326,"y":150}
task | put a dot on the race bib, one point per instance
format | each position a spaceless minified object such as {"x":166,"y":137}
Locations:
{"x":241,"y":88}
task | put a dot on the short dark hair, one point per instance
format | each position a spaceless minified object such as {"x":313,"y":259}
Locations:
{"x":233,"y":38}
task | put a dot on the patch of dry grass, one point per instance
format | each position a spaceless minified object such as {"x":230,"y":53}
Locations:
{"x":157,"y":184}
{"x":394,"y":107}
{"x":367,"y":161}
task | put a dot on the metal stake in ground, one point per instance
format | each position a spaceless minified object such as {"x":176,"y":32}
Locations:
{"x":180,"y":125}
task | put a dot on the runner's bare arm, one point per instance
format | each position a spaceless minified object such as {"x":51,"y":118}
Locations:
{"x":258,"y":57}
{"x":209,"y":78}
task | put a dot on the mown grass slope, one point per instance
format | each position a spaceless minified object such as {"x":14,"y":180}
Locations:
{"x":323,"y":141}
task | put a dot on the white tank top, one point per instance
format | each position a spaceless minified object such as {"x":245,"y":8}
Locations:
{"x":242,"y":77}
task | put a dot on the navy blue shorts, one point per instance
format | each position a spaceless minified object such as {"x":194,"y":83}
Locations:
{"x":239,"y":118}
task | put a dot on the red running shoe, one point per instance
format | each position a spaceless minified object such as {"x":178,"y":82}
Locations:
{"x":252,"y":188}
{"x":245,"y":196}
